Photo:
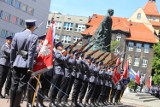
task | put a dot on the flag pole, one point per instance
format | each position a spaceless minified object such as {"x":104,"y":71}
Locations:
{"x":37,"y":87}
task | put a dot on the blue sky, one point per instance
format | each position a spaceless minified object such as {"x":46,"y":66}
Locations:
{"x":123,"y":8}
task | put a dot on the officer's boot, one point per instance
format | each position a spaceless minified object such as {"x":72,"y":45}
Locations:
{"x":12,"y":98}
{"x":52,"y":103}
{"x":6,"y":93}
{"x":59,"y":102}
{"x":100,"y":100}
{"x":65,"y":101}
{"x":86,"y":102}
{"x":81,"y":103}
{"x":111,"y":101}
{"x":40,"y":102}
{"x":92,"y":102}
{"x":30,"y":94}
{"x":73,"y":103}
{"x":104,"y":100}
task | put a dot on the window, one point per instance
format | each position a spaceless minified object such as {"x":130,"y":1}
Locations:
{"x":21,"y":22}
{"x":80,"y":28}
{"x":146,"y":48}
{"x":154,"y":18}
{"x":58,"y":25}
{"x":138,"y":47}
{"x":76,"y":38}
{"x":1,"y":14}
{"x":24,"y":7}
{"x":144,"y":63}
{"x":68,"y":26}
{"x":10,"y":2}
{"x":4,"y":33}
{"x":116,"y":51}
{"x":129,"y":59}
{"x":13,"y":19}
{"x":30,"y":10}
{"x":6,"y":16}
{"x":57,"y":37}
{"x":139,"y":16}
{"x":130,"y":46}
{"x":66,"y":39}
{"x":136,"y":62}
{"x":17,"y":4}
{"x":118,"y":37}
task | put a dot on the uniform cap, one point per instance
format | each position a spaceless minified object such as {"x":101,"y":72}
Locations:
{"x":88,"y":57}
{"x":59,"y":44}
{"x":30,"y":22}
{"x":66,"y":48}
{"x":42,"y":37}
{"x":74,"y":51}
{"x":9,"y":37}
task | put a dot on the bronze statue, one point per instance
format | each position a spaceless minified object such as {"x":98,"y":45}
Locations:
{"x":104,"y":31}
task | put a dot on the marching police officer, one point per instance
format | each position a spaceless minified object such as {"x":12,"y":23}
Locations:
{"x":23,"y":49}
{"x":5,"y":63}
{"x":60,"y":57}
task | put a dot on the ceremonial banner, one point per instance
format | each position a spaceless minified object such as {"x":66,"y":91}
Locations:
{"x":137,"y":78}
{"x":116,"y":75}
{"x":132,"y":74}
{"x":125,"y":73}
{"x":44,"y":61}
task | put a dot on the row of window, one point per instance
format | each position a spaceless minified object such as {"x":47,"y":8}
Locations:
{"x":4,"y":33}
{"x":137,"y":62}
{"x":11,"y":18}
{"x":19,"y":5}
{"x":138,"y":47}
{"x":68,"y":26}
{"x":66,"y":39}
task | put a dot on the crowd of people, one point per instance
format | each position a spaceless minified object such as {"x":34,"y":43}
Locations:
{"x":87,"y":81}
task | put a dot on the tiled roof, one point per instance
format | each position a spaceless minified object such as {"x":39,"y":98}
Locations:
{"x":151,"y":9}
{"x":154,"y":23}
{"x":138,"y":31}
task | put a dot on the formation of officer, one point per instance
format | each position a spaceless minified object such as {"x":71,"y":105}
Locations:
{"x":75,"y":75}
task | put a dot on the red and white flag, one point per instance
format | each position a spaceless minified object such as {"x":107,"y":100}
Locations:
{"x":116,"y":75}
{"x":137,"y":78}
{"x":126,"y":73}
{"x":149,"y":83}
{"x":44,"y":60}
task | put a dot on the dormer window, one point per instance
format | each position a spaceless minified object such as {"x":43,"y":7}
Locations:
{"x":139,"y":16}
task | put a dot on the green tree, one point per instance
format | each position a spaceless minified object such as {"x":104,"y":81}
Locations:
{"x":156,"y":64}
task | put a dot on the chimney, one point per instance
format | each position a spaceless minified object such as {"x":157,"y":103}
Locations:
{"x":153,"y":0}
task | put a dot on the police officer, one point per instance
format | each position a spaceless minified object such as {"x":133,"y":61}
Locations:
{"x":118,"y":92}
{"x":23,"y":49}
{"x":5,"y":63}
{"x":60,"y":57}
{"x":33,"y":81}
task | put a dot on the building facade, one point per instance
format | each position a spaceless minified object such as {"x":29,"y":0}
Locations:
{"x":68,"y":27}
{"x":136,"y":39}
{"x":13,"y":14}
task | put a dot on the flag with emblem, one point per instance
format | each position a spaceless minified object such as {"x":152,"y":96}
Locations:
{"x":116,"y":75}
{"x":126,"y":73}
{"x":44,"y":60}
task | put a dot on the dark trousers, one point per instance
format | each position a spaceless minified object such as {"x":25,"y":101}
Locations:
{"x":71,"y":81}
{"x":113,"y":92}
{"x":108,"y":90}
{"x":3,"y":75}
{"x":63,"y":87}
{"x":117,"y":96}
{"x":56,"y":86}
{"x":91,"y":87}
{"x":83,"y":90}
{"x":20,"y":78}
{"x":96,"y":92}
{"x":8,"y":82}
{"x":76,"y":89}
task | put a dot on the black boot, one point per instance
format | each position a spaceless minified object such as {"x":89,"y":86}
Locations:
{"x":12,"y":98}
{"x":100,"y":101}
{"x":52,"y":103}
{"x":86,"y":103}
{"x":30,"y":95}
{"x":65,"y":102}
{"x":40,"y":100}
{"x":6,"y":93}
{"x":59,"y":102}
{"x":74,"y":103}
{"x":92,"y":102}
{"x":81,"y":103}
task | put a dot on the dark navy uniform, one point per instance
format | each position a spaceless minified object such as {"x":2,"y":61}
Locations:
{"x":23,"y":49}
{"x":5,"y":66}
